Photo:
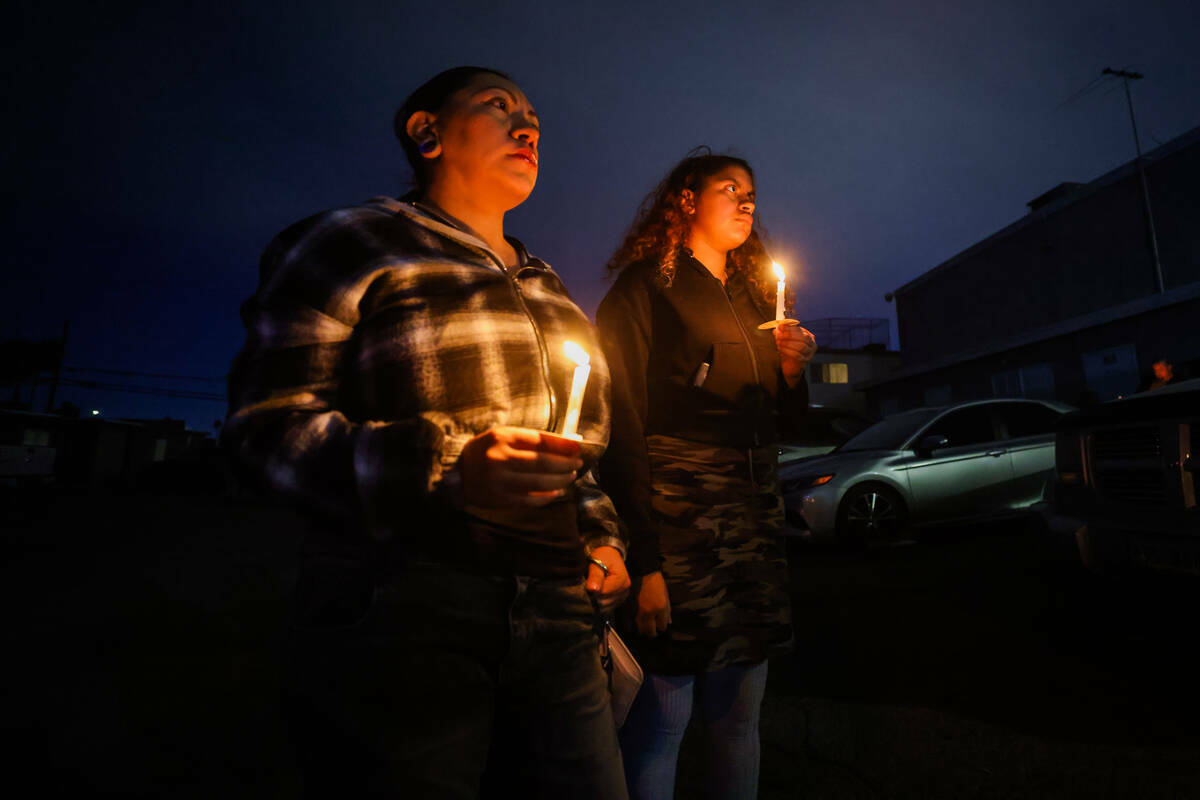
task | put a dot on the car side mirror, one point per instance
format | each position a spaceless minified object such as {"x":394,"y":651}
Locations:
{"x":930,"y":443}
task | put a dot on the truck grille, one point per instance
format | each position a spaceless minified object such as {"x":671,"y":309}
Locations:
{"x":1135,"y":487}
{"x":1127,"y":465}
{"x":1124,"y":443}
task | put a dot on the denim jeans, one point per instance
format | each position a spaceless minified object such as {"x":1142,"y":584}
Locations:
{"x":453,"y":685}
{"x":728,"y":700}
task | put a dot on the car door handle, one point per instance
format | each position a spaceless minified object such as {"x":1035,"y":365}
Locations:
{"x":996,"y":453}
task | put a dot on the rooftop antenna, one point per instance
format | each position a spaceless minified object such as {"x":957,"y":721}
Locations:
{"x":1127,"y":76}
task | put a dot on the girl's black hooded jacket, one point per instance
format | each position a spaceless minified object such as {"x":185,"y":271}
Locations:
{"x":687,"y":360}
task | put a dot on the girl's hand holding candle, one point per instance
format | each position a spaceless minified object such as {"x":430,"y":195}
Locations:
{"x":796,"y":346}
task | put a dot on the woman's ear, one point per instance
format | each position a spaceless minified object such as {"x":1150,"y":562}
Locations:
{"x":420,"y":129}
{"x":687,"y":201}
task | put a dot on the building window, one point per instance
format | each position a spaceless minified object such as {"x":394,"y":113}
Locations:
{"x":1035,"y":381}
{"x":833,"y":373}
{"x":1006,"y":384}
{"x":1111,"y":373}
{"x":938,"y":395}
{"x":160,"y":449}
{"x":35,"y":437}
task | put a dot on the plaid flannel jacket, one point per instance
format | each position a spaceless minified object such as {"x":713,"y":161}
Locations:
{"x":379,"y":341}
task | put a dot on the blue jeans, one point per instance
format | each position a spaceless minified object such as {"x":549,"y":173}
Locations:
{"x":451,"y":685}
{"x":728,"y":699}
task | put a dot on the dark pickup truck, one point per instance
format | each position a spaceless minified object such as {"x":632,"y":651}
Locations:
{"x":1127,"y":472}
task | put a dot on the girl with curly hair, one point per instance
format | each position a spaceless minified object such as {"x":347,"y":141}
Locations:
{"x":699,"y":397}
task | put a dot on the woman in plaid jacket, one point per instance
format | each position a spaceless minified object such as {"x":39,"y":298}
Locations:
{"x":403,"y":367}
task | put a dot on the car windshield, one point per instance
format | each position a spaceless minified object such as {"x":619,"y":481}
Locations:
{"x":890,"y":433}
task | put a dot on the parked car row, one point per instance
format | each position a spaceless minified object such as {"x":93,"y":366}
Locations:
{"x":1122,"y":477}
{"x":954,"y":464}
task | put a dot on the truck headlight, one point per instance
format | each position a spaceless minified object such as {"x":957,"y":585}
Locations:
{"x":1068,"y":457}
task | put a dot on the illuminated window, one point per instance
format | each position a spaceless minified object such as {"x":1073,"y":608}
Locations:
{"x":35,"y":437}
{"x":835,"y":373}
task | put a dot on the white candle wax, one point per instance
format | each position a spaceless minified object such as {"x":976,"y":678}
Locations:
{"x":578,"y":386}
{"x":780,"y":289}
{"x":575,"y":402}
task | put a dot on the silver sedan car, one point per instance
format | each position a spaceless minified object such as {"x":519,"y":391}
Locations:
{"x":970,"y":461}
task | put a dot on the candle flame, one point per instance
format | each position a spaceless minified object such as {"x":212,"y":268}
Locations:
{"x":779,"y":276}
{"x":576,"y":353}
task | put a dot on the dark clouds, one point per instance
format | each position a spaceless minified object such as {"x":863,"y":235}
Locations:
{"x":158,"y":147}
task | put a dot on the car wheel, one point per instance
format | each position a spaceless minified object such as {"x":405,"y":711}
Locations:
{"x":871,"y":514}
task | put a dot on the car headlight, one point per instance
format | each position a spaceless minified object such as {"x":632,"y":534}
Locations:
{"x":802,"y":482}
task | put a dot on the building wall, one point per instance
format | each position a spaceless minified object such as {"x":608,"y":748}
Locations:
{"x":1068,"y":259}
{"x":1170,"y":333}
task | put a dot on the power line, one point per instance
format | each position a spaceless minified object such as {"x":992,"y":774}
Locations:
{"x":181,"y":394}
{"x":135,"y":373}
{"x":1091,"y":86}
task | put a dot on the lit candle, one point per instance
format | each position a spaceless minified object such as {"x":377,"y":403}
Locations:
{"x":578,"y":385}
{"x":780,"y":295}
{"x":780,"y":289}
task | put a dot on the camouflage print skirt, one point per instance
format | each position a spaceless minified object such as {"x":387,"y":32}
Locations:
{"x":718,"y":511}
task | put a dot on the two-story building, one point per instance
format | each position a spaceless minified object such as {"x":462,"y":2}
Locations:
{"x":1064,"y":303}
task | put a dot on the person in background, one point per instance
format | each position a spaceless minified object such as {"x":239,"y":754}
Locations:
{"x":402,"y":371}
{"x":700,"y":395}
{"x":1164,"y":373}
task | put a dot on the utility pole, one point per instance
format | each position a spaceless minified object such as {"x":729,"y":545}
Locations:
{"x":1126,"y":77}
{"x":62,"y":353}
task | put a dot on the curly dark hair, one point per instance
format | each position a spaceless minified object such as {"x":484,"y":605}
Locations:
{"x":660,"y":229}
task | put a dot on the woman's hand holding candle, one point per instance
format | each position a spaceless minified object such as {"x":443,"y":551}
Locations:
{"x":506,"y":467}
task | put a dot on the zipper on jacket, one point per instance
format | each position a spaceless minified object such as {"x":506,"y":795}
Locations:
{"x":544,"y":351}
{"x":749,"y":347}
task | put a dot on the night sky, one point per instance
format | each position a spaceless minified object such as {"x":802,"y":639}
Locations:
{"x":152,"y":150}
